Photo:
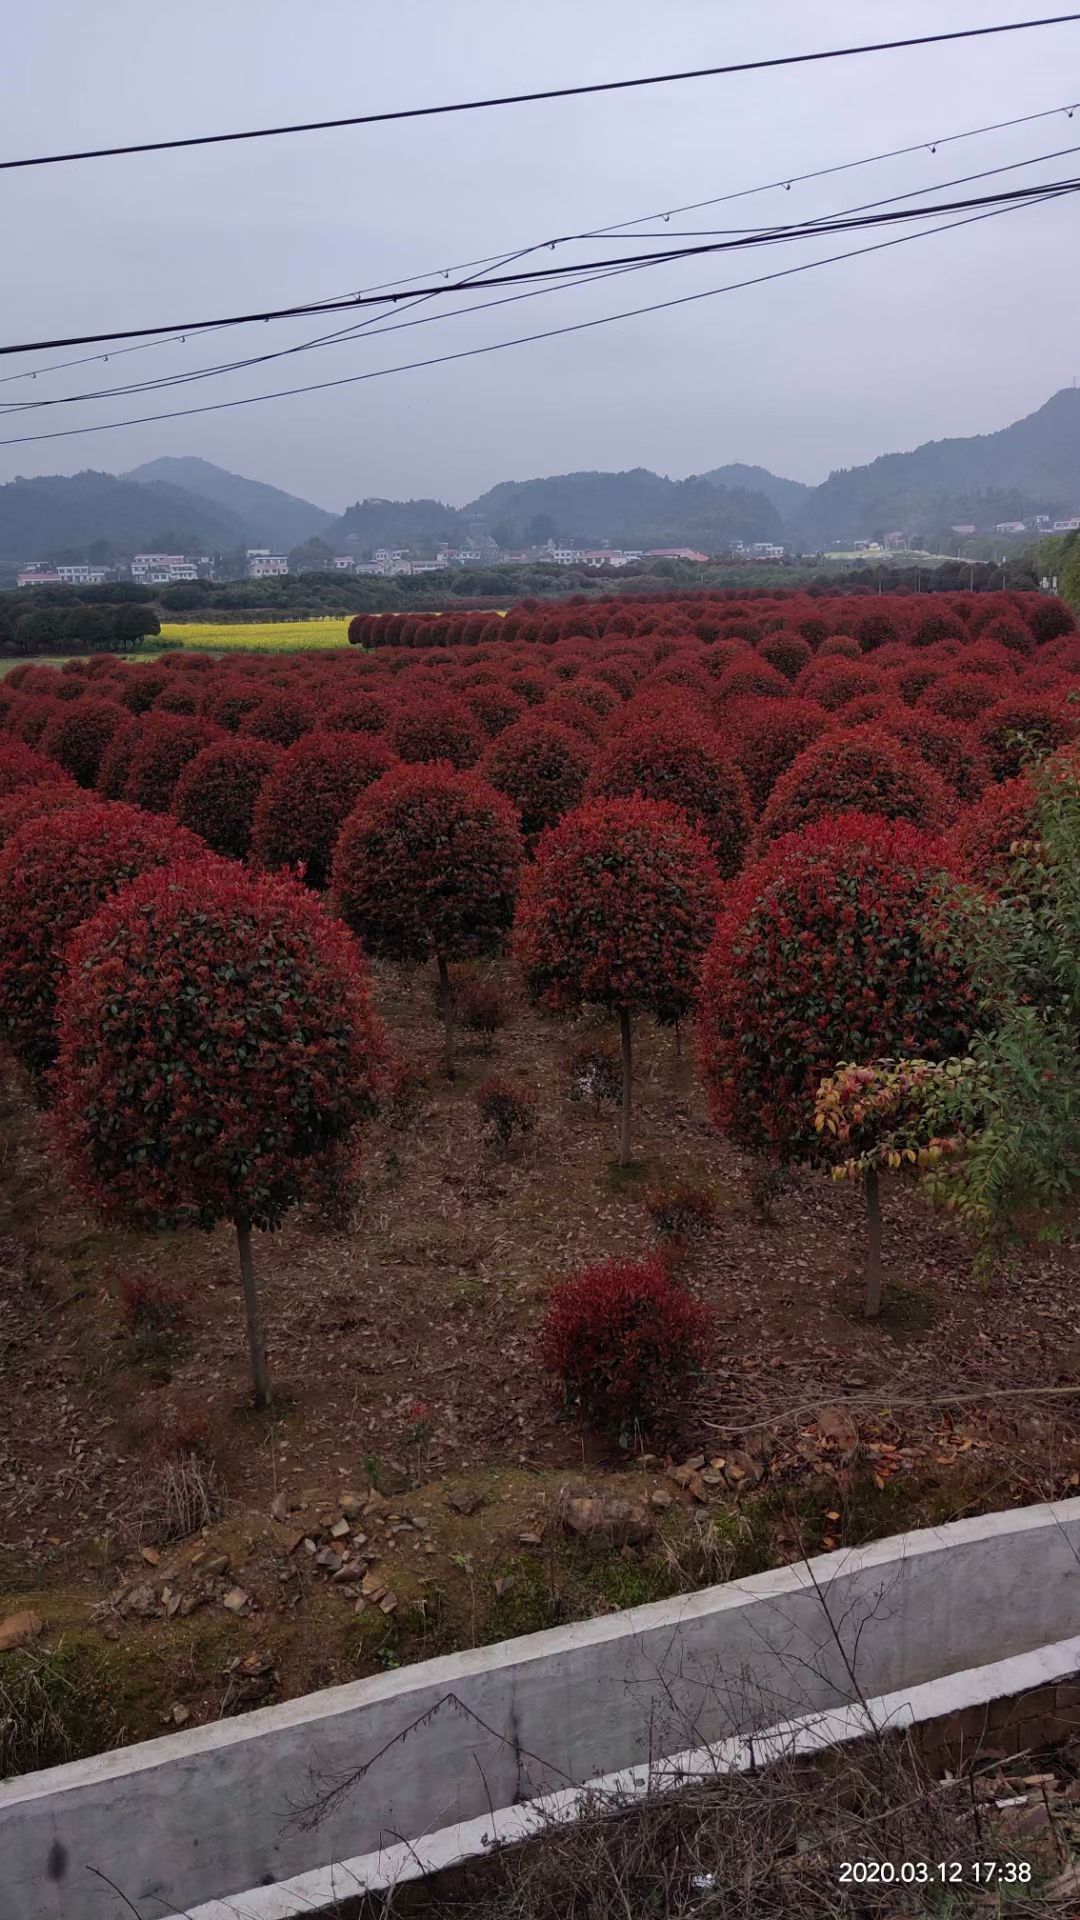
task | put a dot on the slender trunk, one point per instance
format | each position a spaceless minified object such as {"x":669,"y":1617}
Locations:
{"x":873,"y":1244}
{"x":260,"y":1377}
{"x":446,"y":996}
{"x":627,"y":1086}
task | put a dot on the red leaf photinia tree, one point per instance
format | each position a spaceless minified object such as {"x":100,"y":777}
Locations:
{"x":309,"y":796}
{"x":54,"y":873}
{"x":824,"y":954}
{"x":216,"y":1042}
{"x":626,"y":1342}
{"x":427,"y":867}
{"x":617,"y":912}
{"x":675,"y":758}
{"x":21,"y":766}
{"x":865,"y":770}
{"x":215,"y":795}
{"x":77,"y":736}
{"x":541,"y":767}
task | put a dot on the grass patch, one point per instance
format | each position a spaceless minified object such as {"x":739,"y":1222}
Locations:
{"x":54,"y":1707}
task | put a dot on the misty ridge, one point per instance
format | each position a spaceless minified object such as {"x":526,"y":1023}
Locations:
{"x":186,"y":504}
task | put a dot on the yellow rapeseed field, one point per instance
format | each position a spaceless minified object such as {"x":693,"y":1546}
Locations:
{"x":268,"y":636}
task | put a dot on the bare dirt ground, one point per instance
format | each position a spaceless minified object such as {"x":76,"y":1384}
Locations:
{"x":812,"y":1428}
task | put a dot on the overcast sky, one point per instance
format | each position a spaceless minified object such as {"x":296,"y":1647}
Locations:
{"x":955,"y":334}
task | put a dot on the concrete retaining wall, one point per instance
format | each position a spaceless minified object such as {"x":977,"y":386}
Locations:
{"x":226,"y":1810}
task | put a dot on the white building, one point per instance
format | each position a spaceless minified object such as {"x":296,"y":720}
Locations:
{"x":768,"y":550}
{"x":159,"y":569}
{"x":37,"y":573}
{"x":1067,"y":526}
{"x":263,"y":565}
{"x":343,"y":563}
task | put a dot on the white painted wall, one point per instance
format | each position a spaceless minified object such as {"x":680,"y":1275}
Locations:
{"x":219,"y":1810}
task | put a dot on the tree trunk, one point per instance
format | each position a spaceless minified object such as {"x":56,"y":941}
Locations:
{"x":627,"y":1086}
{"x":260,"y":1377}
{"x":446,"y":996}
{"x":873,"y":1243}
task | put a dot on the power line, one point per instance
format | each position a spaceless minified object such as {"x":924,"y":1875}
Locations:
{"x":787,"y":181}
{"x":767,"y":237}
{"x":550,"y":333}
{"x":588,"y":273}
{"x":547,"y":93}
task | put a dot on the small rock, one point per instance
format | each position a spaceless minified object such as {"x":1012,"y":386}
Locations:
{"x":361,"y":1606}
{"x":375,"y":1505}
{"x":340,"y":1530}
{"x":605,"y":1522}
{"x":682,"y":1476}
{"x":388,"y":1602}
{"x":236,"y":1600}
{"x":151,"y":1556}
{"x":217,"y":1567}
{"x":695,"y":1462}
{"x":348,"y":1575}
{"x":530,"y":1539}
{"x":18,"y":1629}
{"x":280,"y":1509}
{"x":660,"y":1498}
{"x":372,"y":1587}
{"x":420,"y":1523}
{"x":505,"y":1584}
{"x":352,"y":1505}
{"x":142,"y":1602}
{"x":697,"y":1489}
{"x":180,"y":1715}
{"x":309,"y":1544}
{"x":743,"y":1470}
{"x":328,"y":1559}
{"x":466,"y":1500}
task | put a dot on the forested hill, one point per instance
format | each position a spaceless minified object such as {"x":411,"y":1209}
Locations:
{"x":635,"y":509}
{"x":96,"y":515}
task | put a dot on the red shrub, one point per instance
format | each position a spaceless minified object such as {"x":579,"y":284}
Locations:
{"x":541,"y":768}
{"x":752,"y":678}
{"x":1019,"y":729}
{"x":682,"y":1211}
{"x":822,"y":955}
{"x":961,"y":697}
{"x":226,"y":704}
{"x":679,"y":760}
{"x":765,"y":736}
{"x":54,"y":873}
{"x":359,"y":712}
{"x":215,"y":795}
{"x":864,"y":771}
{"x":495,"y":708}
{"x":77,"y":737}
{"x":32,"y":803}
{"x":839,"y":646}
{"x":618,"y":909}
{"x":115,"y":763}
{"x":438,"y":729}
{"x":162,"y":749}
{"x":626,"y":1343}
{"x":788,"y":653}
{"x":20,"y":767}
{"x":509,"y":1116}
{"x":427,"y":865}
{"x":950,"y":750}
{"x":1049,"y":617}
{"x":176,"y":698}
{"x":281,"y":718}
{"x":833,"y":683}
{"x":308,"y":797}
{"x":979,"y":844}
{"x":216,"y":1042}
{"x":139,"y":687}
{"x":29,"y":717}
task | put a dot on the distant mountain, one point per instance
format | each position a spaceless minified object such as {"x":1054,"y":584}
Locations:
{"x":787,"y":496}
{"x":1034,"y":465}
{"x":396,"y":523}
{"x":62,"y":518}
{"x":270,"y":518}
{"x":635,"y":509}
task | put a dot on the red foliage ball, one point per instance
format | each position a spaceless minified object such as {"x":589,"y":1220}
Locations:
{"x":54,"y":873}
{"x":427,"y":865}
{"x":1021,"y":728}
{"x":115,"y":764}
{"x":864,"y":771}
{"x":29,"y":717}
{"x":140,"y":686}
{"x":165,"y":744}
{"x":961,"y":697}
{"x":675,"y":758}
{"x":32,"y":803}
{"x":950,"y":750}
{"x":626,"y":1343}
{"x":618,"y":909}
{"x":215,"y":1035}
{"x":76,"y":737}
{"x":980,"y":842}
{"x":834,"y":683}
{"x":788,"y":653}
{"x":823,"y":954}
{"x":176,"y":698}
{"x":541,"y":768}
{"x":358,"y":712}
{"x":751,"y":678}
{"x":281,"y":718}
{"x":215,"y":795}
{"x":309,"y":796}
{"x":765,"y":736}
{"x":20,"y":766}
{"x":438,"y":729}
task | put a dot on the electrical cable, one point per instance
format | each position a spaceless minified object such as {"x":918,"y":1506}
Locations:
{"x":550,"y":333}
{"x":546,"y":93}
{"x":804,"y":230}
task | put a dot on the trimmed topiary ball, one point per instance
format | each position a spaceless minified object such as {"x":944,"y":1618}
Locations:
{"x":216,"y":794}
{"x":309,"y":796}
{"x":866,"y":770}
